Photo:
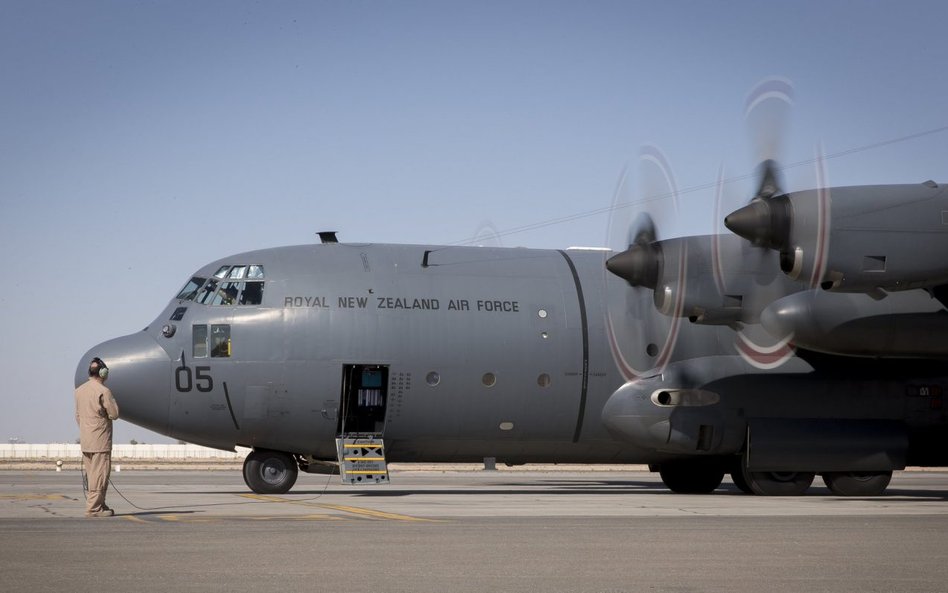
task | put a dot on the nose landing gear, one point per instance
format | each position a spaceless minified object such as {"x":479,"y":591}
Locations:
{"x":270,"y":472}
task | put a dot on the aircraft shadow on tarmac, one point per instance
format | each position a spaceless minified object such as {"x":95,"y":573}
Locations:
{"x":584,"y":487}
{"x":559,"y":487}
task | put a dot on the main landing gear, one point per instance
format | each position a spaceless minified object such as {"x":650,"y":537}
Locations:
{"x":703,"y":476}
{"x":270,"y":472}
{"x":857,"y":483}
{"x":697,"y":476}
{"x":778,"y":483}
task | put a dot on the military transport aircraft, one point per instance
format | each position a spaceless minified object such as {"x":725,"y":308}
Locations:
{"x":808,"y":341}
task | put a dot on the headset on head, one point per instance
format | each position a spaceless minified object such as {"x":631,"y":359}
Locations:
{"x":97,"y":368}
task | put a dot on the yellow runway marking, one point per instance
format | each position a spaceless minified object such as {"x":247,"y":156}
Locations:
{"x":375,"y":514}
{"x":358,"y":511}
{"x":266,"y":498}
{"x":134,"y":519}
{"x":32,"y":497}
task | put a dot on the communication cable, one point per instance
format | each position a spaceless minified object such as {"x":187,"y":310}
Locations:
{"x":85,"y":490}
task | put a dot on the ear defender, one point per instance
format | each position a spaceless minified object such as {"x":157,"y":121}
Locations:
{"x":98,"y":368}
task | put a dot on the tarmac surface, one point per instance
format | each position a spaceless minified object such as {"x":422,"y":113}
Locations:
{"x":467,"y":531}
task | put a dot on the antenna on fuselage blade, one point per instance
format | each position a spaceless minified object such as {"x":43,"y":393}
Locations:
{"x":328,"y":236}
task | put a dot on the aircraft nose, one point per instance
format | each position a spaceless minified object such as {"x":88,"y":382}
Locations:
{"x":139,"y":378}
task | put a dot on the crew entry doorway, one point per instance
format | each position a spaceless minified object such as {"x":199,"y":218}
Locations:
{"x":363,"y":401}
{"x":359,"y":446}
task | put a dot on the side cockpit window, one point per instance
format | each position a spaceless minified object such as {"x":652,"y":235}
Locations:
{"x":199,"y":341}
{"x":220,"y":341}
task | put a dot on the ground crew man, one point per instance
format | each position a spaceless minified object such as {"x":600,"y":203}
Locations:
{"x":95,"y":411}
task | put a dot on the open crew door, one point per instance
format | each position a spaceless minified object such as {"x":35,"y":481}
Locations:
{"x":359,"y":444}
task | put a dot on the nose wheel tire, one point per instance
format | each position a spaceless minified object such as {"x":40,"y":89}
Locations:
{"x":270,"y":472}
{"x":857,"y":483}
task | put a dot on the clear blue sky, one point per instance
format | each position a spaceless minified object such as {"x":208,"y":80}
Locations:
{"x":140,"y":140}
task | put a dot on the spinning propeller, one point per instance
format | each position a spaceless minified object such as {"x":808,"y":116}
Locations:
{"x":712,"y":279}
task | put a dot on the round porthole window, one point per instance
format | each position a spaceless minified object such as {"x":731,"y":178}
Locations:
{"x":433,"y":378}
{"x":489,"y":379}
{"x":544,"y":380}
{"x":542,"y":313}
{"x":651,"y":349}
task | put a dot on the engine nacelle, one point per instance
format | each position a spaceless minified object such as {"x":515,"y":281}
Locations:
{"x":709,"y":279}
{"x":672,"y":414}
{"x":854,"y":239}
{"x":858,"y":325}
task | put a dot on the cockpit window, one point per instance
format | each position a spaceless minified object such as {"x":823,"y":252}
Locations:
{"x":191,"y":288}
{"x":252,"y":294}
{"x":230,"y":285}
{"x":206,"y":294}
{"x":227,"y":295}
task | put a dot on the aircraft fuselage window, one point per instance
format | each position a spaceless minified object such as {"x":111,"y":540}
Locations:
{"x":221,"y":272}
{"x":220,"y":341}
{"x":255,"y":272}
{"x":237,"y":272}
{"x":190,"y":289}
{"x":199,"y":341}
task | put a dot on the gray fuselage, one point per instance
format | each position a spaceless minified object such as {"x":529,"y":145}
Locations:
{"x":517,"y":354}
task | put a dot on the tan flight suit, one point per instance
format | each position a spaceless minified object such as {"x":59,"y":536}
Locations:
{"x":95,"y":411}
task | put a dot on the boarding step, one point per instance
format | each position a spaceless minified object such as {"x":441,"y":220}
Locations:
{"x":362,"y":460}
